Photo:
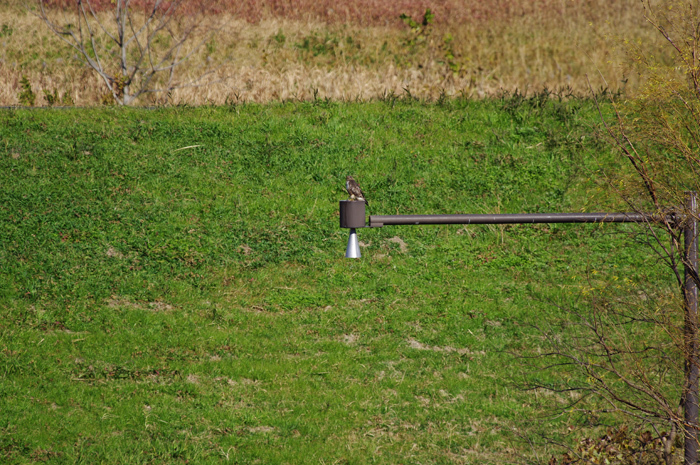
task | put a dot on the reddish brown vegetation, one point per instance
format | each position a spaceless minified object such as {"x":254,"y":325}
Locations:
{"x":365,"y":12}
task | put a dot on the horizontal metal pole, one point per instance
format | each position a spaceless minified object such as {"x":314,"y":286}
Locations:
{"x":376,"y":221}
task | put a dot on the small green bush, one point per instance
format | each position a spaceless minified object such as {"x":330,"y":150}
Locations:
{"x":27,"y":97}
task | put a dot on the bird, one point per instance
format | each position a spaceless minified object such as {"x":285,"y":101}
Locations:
{"x":354,"y":190}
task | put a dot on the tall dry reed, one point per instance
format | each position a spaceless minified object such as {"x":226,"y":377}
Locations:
{"x":362,"y":50}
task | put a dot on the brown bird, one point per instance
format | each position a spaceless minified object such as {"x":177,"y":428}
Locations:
{"x":354,"y":190}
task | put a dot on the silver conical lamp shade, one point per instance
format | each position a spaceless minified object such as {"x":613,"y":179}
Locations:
{"x":353,"y":249}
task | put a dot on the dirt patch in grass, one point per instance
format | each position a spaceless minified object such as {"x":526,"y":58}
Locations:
{"x":124,"y":302}
{"x":414,"y":344}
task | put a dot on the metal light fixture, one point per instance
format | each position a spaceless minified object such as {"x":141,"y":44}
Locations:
{"x":353,"y":248}
{"x":352,"y":215}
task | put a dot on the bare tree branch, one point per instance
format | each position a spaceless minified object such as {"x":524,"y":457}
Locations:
{"x":138,"y":51}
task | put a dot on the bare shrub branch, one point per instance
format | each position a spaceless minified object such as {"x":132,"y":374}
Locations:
{"x":633,"y":351}
{"x":138,"y":47}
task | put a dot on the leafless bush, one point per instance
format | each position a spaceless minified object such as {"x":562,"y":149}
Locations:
{"x":137,"y":47}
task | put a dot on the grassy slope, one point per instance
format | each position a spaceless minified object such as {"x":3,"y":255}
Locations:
{"x":163,"y":304}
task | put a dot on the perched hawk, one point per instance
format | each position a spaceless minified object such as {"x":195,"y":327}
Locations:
{"x":354,"y":190}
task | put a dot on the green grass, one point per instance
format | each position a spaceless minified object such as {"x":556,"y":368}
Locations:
{"x":173,"y":287}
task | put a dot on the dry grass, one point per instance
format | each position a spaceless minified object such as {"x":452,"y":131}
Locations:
{"x":280,"y":54}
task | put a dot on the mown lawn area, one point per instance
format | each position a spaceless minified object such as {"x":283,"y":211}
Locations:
{"x":173,"y":287}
